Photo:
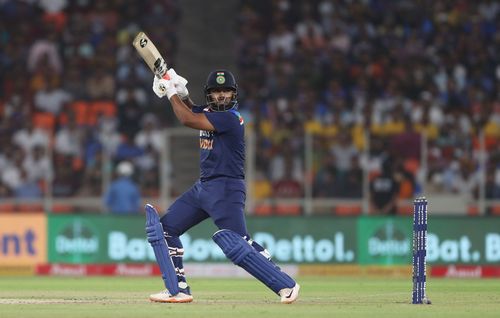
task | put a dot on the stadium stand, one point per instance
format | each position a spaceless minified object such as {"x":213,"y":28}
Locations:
{"x":333,"y":69}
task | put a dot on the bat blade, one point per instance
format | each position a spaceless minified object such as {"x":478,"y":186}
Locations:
{"x":150,"y":54}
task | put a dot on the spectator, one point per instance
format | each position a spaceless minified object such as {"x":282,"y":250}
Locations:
{"x":352,"y":186}
{"x":69,"y":140}
{"x":101,"y":85}
{"x":123,"y":196}
{"x":66,"y":181}
{"x":462,"y":178}
{"x":37,"y":165}
{"x":92,"y":176}
{"x":127,"y":150}
{"x":27,"y":188}
{"x":310,"y":33}
{"x":12,"y":173}
{"x":45,"y":48}
{"x":384,"y":191}
{"x":284,"y":160}
{"x":281,"y":40}
{"x":107,"y":136}
{"x":29,"y":137}
{"x":287,"y":186}
{"x":345,"y":154}
{"x":261,"y":188}
{"x":51,"y":98}
{"x":150,"y":135}
{"x":129,"y":115}
{"x":407,"y":143}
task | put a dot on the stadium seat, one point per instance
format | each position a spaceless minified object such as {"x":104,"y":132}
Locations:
{"x":30,"y":207}
{"x":347,"y":210}
{"x":80,"y":109}
{"x":495,"y":209}
{"x":57,"y":19}
{"x":411,"y":165}
{"x":62,"y":208}
{"x":473,"y":210}
{"x":263,"y":209}
{"x":7,"y":208}
{"x":405,"y":209}
{"x":45,"y":121}
{"x":288,"y":209}
{"x":101,"y":108}
{"x":405,"y":189}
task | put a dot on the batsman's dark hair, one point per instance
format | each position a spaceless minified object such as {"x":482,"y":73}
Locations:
{"x":221,"y":79}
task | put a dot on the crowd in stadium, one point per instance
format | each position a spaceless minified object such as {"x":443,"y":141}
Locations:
{"x":71,"y":81}
{"x":332,"y":68}
{"x":337,"y":69}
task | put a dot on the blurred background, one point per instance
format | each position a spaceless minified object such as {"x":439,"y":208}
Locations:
{"x":332,"y":92}
{"x":352,"y":107}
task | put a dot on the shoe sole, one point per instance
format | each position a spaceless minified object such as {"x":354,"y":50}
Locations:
{"x":172,"y":300}
{"x":293,"y":297}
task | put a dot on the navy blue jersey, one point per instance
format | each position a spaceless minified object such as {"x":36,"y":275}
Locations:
{"x":222,"y":152}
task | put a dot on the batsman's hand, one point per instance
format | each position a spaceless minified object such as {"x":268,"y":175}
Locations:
{"x":163,"y":87}
{"x":180,"y":83}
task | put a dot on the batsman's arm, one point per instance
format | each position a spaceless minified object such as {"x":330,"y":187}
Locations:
{"x":189,"y":103}
{"x":184,"y":114}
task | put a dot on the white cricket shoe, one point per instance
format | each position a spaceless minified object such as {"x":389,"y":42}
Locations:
{"x":165,"y":297}
{"x":289,"y":295}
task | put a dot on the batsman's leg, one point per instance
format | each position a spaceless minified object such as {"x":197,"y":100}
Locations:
{"x":156,"y":238}
{"x":183,"y":214}
{"x":176,"y":253}
{"x":243,"y":254}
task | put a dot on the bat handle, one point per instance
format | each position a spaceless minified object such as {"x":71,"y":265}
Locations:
{"x":164,"y":76}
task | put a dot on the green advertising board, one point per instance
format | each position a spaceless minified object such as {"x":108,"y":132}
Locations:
{"x":450,"y":240}
{"x":464,"y":240}
{"x":305,"y":240}
{"x":384,"y":240}
{"x":97,"y":239}
{"x":111,"y":239}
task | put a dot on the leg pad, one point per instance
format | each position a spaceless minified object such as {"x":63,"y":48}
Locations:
{"x":156,"y":237}
{"x":244,"y":255}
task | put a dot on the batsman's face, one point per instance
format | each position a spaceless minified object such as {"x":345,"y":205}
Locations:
{"x":222,"y":96}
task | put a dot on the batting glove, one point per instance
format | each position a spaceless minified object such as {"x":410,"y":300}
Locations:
{"x":163,"y":87}
{"x":180,"y":83}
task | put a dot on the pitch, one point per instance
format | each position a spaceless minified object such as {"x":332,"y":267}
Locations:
{"x":238,"y":298}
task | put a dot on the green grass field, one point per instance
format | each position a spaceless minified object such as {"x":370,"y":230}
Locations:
{"x":238,"y":298}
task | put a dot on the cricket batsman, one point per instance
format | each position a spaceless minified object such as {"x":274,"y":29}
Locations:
{"x":219,"y":194}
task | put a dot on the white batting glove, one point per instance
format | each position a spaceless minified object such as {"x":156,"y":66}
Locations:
{"x":180,"y":83}
{"x":163,"y":87}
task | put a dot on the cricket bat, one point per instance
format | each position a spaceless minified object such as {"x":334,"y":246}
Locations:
{"x":149,"y":53}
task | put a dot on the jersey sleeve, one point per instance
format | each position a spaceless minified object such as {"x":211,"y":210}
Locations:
{"x":197,"y":109}
{"x":224,"y":121}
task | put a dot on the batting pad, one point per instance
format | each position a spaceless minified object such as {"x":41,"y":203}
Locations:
{"x":154,"y":232}
{"x":244,"y":255}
